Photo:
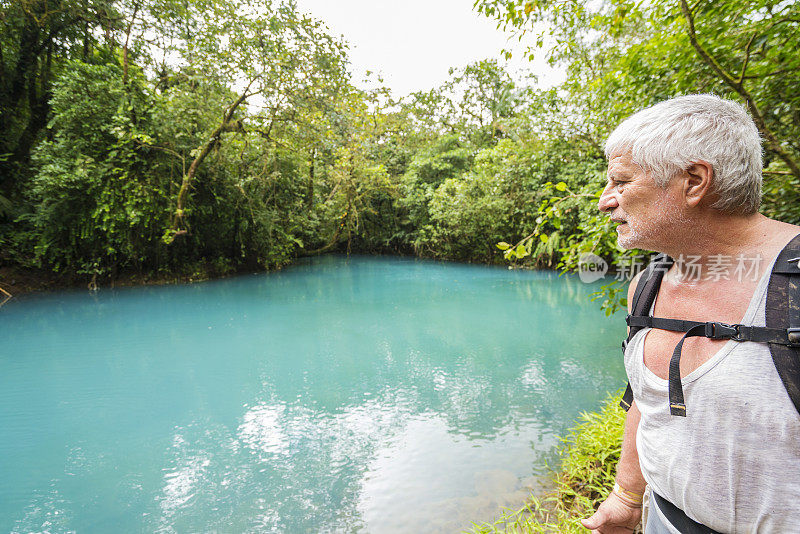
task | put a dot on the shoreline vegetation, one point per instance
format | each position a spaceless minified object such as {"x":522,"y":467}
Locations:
{"x":583,"y":479}
{"x":16,"y":280}
{"x":176,"y":142}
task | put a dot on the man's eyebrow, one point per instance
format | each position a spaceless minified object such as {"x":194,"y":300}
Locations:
{"x":615,"y":173}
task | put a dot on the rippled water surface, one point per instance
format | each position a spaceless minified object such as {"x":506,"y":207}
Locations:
{"x":369,"y":394}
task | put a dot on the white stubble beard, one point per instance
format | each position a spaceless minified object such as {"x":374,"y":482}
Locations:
{"x":645,"y":234}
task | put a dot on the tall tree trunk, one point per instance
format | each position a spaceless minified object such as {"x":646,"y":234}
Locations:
{"x":310,"y":183}
{"x":127,"y":42}
{"x":18,"y":79}
{"x":38,"y":105}
{"x":86,"y":37}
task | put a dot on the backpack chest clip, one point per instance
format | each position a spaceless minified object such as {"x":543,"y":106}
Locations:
{"x":716,"y":330}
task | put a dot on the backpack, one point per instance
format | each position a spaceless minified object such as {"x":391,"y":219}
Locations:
{"x":781,"y":333}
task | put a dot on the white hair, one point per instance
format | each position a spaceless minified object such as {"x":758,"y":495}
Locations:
{"x":667,"y":138}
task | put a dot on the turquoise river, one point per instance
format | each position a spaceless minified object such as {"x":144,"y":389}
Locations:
{"x":373,"y":395}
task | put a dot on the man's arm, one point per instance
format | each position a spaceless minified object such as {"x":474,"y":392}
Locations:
{"x":618,"y":513}
{"x":629,"y":474}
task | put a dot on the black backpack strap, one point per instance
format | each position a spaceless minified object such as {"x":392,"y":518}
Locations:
{"x":643,"y":297}
{"x":783,"y":311}
{"x":678,"y":518}
{"x":782,"y":331}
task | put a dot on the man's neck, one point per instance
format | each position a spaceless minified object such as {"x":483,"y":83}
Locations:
{"x":709,"y":242}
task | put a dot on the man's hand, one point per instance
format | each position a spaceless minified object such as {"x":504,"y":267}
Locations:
{"x":613,"y":517}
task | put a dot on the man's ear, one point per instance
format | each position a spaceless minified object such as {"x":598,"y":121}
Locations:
{"x":697,"y":182}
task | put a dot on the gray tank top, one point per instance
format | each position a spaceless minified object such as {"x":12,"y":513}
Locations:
{"x":733,"y":463}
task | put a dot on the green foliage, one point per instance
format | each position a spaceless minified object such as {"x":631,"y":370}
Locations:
{"x":122,"y":146}
{"x":589,"y":455}
{"x":445,"y":159}
{"x":37,"y":38}
{"x":620,"y":56}
{"x":478,"y":103}
{"x":96,"y":208}
{"x":466,"y":216}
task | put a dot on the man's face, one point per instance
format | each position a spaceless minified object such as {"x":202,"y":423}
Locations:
{"x":644,"y":212}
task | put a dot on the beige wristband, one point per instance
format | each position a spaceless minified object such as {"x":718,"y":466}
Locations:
{"x":630,"y":498}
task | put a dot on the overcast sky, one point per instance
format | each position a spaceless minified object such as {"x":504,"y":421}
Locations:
{"x":414,"y":43}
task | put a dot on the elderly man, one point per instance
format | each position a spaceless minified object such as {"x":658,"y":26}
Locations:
{"x":719,"y":445}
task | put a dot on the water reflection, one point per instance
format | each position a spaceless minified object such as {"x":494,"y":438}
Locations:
{"x":47,"y":511}
{"x":396,"y":498}
{"x":180,"y":484}
{"x":261,"y":431}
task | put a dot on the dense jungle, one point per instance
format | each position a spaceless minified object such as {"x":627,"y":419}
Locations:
{"x":168,"y":139}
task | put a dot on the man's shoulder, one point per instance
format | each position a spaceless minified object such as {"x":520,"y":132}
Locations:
{"x":777,"y":236}
{"x":783,"y":229}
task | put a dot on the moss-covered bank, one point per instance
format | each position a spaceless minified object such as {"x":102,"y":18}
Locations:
{"x":589,"y":455}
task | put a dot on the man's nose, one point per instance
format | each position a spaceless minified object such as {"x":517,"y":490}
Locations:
{"x":607,"y":200}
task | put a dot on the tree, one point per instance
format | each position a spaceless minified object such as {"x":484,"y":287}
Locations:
{"x":283,"y":59}
{"x":476,"y":102}
{"x":621,"y":56}
{"x":95,"y":205}
{"x":625,"y":55}
{"x":38,"y":36}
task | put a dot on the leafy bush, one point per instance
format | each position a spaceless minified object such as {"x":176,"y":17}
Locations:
{"x":95,"y":205}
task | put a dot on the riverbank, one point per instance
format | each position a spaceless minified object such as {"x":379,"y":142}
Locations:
{"x":17,"y":281}
{"x":589,"y":454}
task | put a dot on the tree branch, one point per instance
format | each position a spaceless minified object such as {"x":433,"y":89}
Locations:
{"x":226,"y":125}
{"x":746,"y":57}
{"x":767,"y":75}
{"x":710,"y":61}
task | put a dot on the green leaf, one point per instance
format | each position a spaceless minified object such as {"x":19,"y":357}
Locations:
{"x":561,"y":186}
{"x":502,"y":245}
{"x":528,"y":8}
